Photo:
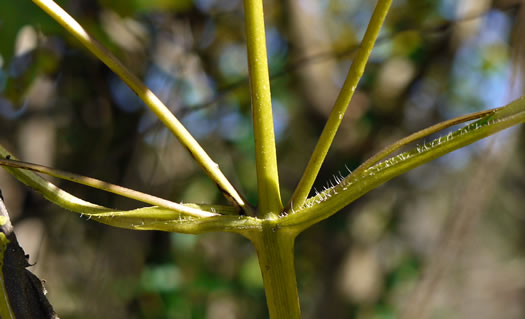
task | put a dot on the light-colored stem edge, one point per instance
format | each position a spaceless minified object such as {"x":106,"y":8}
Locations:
{"x":6,"y":310}
{"x":150,"y":99}
{"x":270,"y":204}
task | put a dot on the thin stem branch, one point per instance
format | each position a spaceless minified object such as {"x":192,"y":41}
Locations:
{"x":355,"y":185}
{"x":150,"y":99}
{"x":112,"y":188}
{"x":270,"y":204}
{"x":418,"y":135}
{"x":336,"y":116}
{"x":145,"y":218}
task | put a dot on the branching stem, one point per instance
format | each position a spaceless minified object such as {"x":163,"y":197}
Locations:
{"x":336,"y":116}
{"x":418,"y":135}
{"x":112,"y":188}
{"x":150,"y":99}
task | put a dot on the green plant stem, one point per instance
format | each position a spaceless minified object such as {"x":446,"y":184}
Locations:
{"x":112,"y":188}
{"x":336,"y":116}
{"x":150,"y":99}
{"x":418,"y":135}
{"x":354,"y":186}
{"x":146,"y":218}
{"x":275,"y":247}
{"x":270,"y":204}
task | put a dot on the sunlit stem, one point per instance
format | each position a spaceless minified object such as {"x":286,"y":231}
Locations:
{"x":336,"y":116}
{"x":270,"y":204}
{"x":150,"y":99}
{"x":275,"y":251}
{"x":145,"y":218}
{"x":361,"y":182}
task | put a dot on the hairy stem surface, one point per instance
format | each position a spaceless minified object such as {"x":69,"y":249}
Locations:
{"x":336,"y":116}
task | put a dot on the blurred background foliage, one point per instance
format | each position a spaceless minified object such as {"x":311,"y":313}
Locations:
{"x":445,"y":240}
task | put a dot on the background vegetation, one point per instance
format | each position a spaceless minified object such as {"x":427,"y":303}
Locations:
{"x":456,"y":220}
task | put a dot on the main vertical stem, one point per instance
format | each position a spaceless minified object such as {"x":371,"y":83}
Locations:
{"x":276,"y":259}
{"x":270,"y":204}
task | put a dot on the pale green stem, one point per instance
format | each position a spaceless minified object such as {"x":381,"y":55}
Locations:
{"x":270,"y":204}
{"x":150,"y":99}
{"x":108,"y":187}
{"x":336,"y":116}
{"x":275,"y":250}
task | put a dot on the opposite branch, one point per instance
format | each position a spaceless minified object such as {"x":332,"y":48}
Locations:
{"x":341,"y":104}
{"x":418,"y":135}
{"x":150,"y":99}
{"x":112,"y":188}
